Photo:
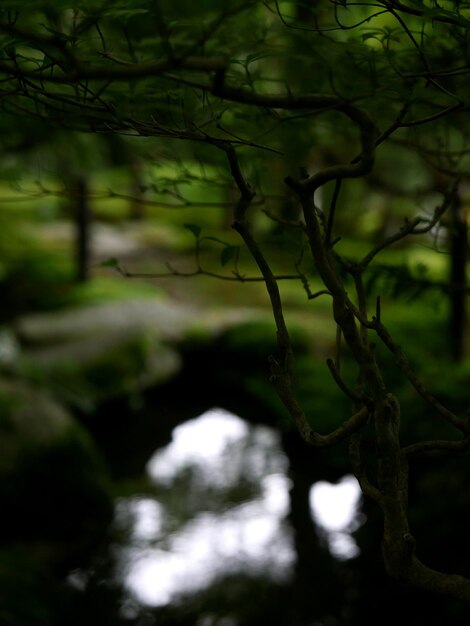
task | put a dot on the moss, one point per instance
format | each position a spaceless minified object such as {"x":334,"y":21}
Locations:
{"x":258,"y":338}
{"x":24,"y":577}
{"x":29,"y":420}
{"x":38,"y":280}
{"x":323,"y":402}
{"x":58,"y":495}
{"x":109,"y":289}
{"x":91,"y":371}
{"x":53,"y":483}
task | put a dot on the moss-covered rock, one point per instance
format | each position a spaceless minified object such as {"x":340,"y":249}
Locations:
{"x":88,"y":355}
{"x":87,"y":372}
{"x":53,"y":483}
{"x":24,"y":577}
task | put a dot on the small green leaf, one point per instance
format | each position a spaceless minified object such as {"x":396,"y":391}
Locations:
{"x":227,"y":254}
{"x":194,"y":229}
{"x":111,"y":262}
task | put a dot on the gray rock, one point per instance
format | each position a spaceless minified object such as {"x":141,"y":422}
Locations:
{"x":9,"y":348}
{"x":167,"y":320}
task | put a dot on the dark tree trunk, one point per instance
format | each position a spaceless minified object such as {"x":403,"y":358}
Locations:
{"x":137,"y":208}
{"x":316,"y":586}
{"x":458,"y":280}
{"x":82,"y":216}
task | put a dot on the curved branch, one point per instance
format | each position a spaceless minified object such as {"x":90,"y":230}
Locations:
{"x":402,"y":362}
{"x":437,"y":15}
{"x":119,"y":72}
{"x":314,"y":101}
{"x":436,"y":445}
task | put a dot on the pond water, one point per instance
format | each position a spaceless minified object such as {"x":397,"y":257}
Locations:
{"x":218,"y":505}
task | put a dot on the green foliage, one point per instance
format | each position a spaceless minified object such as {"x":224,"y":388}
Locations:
{"x":449,"y":382}
{"x":37,"y":280}
{"x":112,"y":263}
{"x":402,"y":282}
{"x":325,"y":406}
{"x":258,"y":339}
{"x":98,"y":369}
{"x":194,"y":229}
{"x":107,"y":289}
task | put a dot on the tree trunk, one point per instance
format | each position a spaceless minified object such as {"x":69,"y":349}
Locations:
{"x":317,"y":588}
{"x":82,"y":217}
{"x":458,"y":281}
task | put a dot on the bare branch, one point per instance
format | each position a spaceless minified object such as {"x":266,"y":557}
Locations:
{"x":412,"y":227}
{"x":405,"y":367}
{"x":437,"y":445}
{"x":114,"y":72}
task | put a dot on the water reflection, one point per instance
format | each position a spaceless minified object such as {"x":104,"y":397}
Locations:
{"x":335,"y":509}
{"x":219,"y":506}
{"x":203,"y":526}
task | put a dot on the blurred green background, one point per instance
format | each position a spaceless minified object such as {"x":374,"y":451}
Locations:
{"x":129,"y":308}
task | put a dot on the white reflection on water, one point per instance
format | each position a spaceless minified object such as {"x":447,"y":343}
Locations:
{"x":167,"y":557}
{"x":335,"y":508}
{"x":249,"y":537}
{"x":202,"y":442}
{"x":146,"y":514}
